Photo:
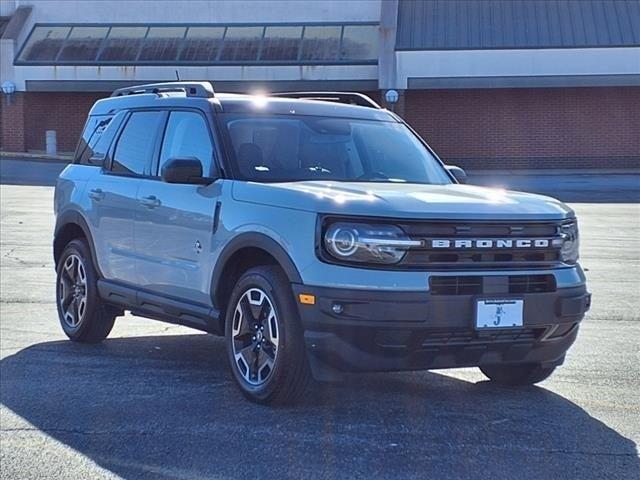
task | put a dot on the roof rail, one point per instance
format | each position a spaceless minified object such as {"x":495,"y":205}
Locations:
{"x":350,"y":98}
{"x":191,"y":89}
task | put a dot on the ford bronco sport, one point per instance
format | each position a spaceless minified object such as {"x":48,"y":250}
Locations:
{"x":315,"y":231}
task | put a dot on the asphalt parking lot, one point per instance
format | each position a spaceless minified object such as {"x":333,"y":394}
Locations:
{"x":156,"y":401}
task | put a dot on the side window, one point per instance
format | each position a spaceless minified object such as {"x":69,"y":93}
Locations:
{"x":187,"y":135}
{"x":97,"y":138}
{"x":134,"y":150}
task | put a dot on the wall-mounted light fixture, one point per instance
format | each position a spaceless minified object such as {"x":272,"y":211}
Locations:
{"x":392,"y":96}
{"x":8,"y":89}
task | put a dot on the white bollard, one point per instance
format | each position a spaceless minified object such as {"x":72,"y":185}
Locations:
{"x":51,"y":142}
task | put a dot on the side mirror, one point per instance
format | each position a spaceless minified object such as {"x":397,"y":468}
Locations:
{"x":459,"y":174}
{"x":187,"y":170}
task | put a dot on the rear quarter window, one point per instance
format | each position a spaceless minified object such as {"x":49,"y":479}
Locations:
{"x":97,"y":136}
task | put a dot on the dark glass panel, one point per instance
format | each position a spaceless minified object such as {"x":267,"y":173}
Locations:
{"x":360,"y":42}
{"x":201,"y":44}
{"x":44,"y":43}
{"x":123,"y":44}
{"x":241,"y":43}
{"x":321,"y":43}
{"x":162,"y":44}
{"x":83,"y":44}
{"x":315,"y":44}
{"x":281,"y":43}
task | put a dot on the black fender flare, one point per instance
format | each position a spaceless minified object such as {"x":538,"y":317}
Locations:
{"x":255,"y":240}
{"x":73,"y":217}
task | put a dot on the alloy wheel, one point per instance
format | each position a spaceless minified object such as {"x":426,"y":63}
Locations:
{"x":255,"y":336}
{"x":72,"y":289}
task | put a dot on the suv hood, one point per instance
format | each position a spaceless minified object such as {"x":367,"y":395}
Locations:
{"x":398,"y":200}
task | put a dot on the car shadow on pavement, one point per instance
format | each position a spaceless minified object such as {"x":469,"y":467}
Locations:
{"x":165,"y":407}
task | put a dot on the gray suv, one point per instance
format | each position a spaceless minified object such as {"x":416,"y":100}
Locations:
{"x":315,"y":231}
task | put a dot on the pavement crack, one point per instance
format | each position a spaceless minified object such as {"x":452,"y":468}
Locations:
{"x":10,"y":255}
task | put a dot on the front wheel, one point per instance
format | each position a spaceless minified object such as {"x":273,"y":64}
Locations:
{"x":265,"y":342}
{"x":517,"y":375}
{"x":83,"y":315}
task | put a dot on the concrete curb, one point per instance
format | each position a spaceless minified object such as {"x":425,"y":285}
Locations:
{"x":563,"y":171}
{"x":36,"y":157}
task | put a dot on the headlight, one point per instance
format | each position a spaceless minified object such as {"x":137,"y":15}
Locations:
{"x":570,"y":242}
{"x":365,"y":243}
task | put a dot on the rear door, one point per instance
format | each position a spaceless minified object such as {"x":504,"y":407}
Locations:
{"x":113,"y":194}
{"x":174,"y":224}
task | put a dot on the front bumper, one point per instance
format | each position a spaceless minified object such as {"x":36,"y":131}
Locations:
{"x":385,"y":331}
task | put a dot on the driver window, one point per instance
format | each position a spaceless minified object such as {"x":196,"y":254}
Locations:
{"x":187,"y":135}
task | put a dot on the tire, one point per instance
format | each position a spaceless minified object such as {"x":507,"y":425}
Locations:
{"x":269,"y":362}
{"x":83,"y":316}
{"x":517,"y":375}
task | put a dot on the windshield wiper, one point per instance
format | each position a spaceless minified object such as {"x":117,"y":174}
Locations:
{"x":319,"y":169}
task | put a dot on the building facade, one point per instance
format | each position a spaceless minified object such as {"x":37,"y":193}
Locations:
{"x":489,"y":83}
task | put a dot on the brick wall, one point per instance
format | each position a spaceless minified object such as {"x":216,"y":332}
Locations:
{"x":488,"y":128}
{"x":530,"y":128}
{"x":65,"y":113}
{"x":12,"y":123}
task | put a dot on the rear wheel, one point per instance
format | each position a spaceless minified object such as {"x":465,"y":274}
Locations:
{"x":265,"y":343}
{"x":83,"y":315}
{"x":517,"y":375}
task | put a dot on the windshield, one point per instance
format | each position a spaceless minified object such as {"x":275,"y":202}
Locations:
{"x":282,"y":148}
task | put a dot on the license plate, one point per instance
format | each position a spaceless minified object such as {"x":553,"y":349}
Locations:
{"x":498,"y":313}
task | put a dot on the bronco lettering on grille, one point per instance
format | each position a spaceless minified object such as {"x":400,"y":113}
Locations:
{"x":489,"y":243}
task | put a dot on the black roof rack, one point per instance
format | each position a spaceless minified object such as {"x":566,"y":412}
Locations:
{"x":191,"y":89}
{"x":350,"y":98}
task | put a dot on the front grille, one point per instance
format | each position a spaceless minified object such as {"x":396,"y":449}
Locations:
{"x":508,"y":233}
{"x":475,"y":284}
{"x":532,"y":284}
{"x":456,"y":285}
{"x":469,"y":337}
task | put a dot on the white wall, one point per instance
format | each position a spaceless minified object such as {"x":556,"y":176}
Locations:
{"x":514,"y":63}
{"x":231,"y":11}
{"x":7,"y":7}
{"x":6,"y":61}
{"x":192,"y":11}
{"x":463,"y":64}
{"x":219,"y":73}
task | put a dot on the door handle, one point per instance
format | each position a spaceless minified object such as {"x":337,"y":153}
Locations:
{"x":96,"y":194}
{"x":151,"y":201}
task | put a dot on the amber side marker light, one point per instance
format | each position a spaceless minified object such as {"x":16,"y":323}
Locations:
{"x":307,"y":299}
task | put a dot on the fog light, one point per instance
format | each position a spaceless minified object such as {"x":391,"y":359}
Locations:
{"x":337,"y":308}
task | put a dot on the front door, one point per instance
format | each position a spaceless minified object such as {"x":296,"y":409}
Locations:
{"x":174,"y":223}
